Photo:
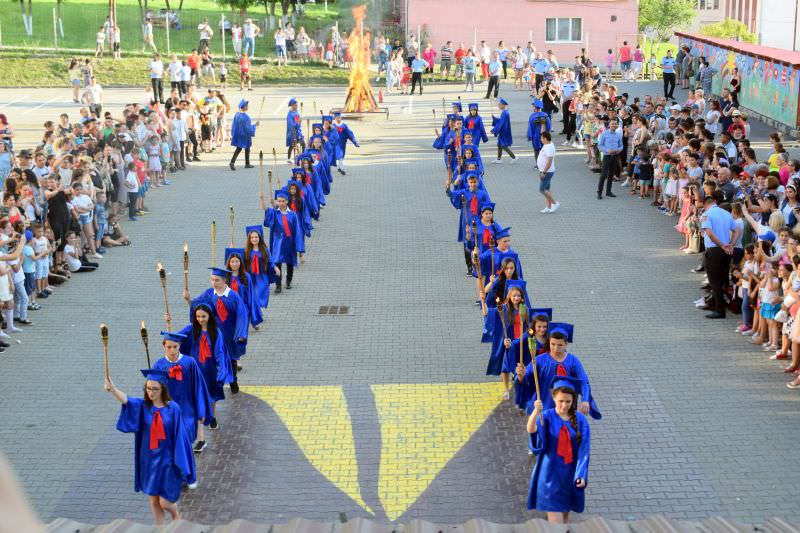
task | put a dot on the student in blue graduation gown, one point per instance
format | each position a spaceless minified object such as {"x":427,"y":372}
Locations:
{"x":344,"y":134}
{"x":474,"y":123}
{"x":502,"y":250}
{"x":330,"y":137}
{"x":443,"y":140}
{"x":501,"y":128}
{"x":164,"y":459}
{"x":470,"y":153}
{"x":538,"y":122}
{"x":286,"y":238}
{"x":205,"y":344}
{"x":242,"y":133}
{"x":553,"y":364}
{"x":232,"y":315}
{"x":187,"y":387}
{"x":468,"y":203}
{"x":560,"y":439}
{"x":511,"y":313}
{"x":240,"y":281}
{"x":299,"y":201}
{"x":311,"y":184}
{"x":540,"y":325}
{"x":258,"y":262}
{"x":294,"y":129}
{"x":486,"y":227}
{"x":460,"y":181}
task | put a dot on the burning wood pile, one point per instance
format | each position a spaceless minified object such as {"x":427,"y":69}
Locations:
{"x":360,"y":98}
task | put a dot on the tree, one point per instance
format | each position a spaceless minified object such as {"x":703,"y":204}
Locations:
{"x":665,"y":16}
{"x":729,"y":29}
{"x":239,"y":5}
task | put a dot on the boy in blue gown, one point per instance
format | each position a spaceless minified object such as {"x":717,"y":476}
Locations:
{"x":558,"y":362}
{"x":294,"y":130}
{"x":538,"y":122}
{"x":163,"y":452}
{"x":343,"y":134}
{"x":242,"y":133}
{"x":561,"y":440}
{"x":286,"y":239}
{"x":474,"y":123}
{"x":501,"y":129}
{"x":502,"y":250}
{"x":258,"y":261}
{"x":243,"y":287}
{"x":468,"y":203}
{"x":511,"y":363}
{"x":186,"y":386}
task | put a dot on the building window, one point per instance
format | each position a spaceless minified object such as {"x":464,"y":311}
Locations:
{"x":701,"y":4}
{"x":564,"y":30}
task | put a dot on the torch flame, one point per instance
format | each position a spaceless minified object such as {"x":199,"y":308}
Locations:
{"x":360,"y":97}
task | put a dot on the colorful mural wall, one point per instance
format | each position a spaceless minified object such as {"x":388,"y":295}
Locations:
{"x":768,"y":88}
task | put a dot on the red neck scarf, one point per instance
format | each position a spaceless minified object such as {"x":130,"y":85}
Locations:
{"x":222,"y":311}
{"x":293,"y":206}
{"x":487,"y":235}
{"x":156,"y":430}
{"x":205,"y":347}
{"x":234,"y":283}
{"x":564,"y":448}
{"x":560,"y":370}
{"x":176,"y":372}
{"x":285,"y":220}
{"x":471,"y":123}
{"x":517,"y":325}
{"x":473,"y":204}
{"x":255,"y":264}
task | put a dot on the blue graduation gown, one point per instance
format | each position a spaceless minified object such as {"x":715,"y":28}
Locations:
{"x":163,"y":471}
{"x":512,"y":360}
{"x":475,"y":125}
{"x":484,"y":235}
{"x":535,"y":122}
{"x":216,"y":368}
{"x":547,"y":368}
{"x":236,"y":323}
{"x":552,"y":487}
{"x":330,"y":138}
{"x":262,"y":280}
{"x":284,"y":247}
{"x":344,"y":134}
{"x":498,"y":350}
{"x":294,"y":128}
{"x":501,"y":128}
{"x":302,"y":211}
{"x":489,"y":322}
{"x":246,"y":294}
{"x":189,"y":392}
{"x":469,"y":208}
{"x":242,"y":130}
{"x":486,"y":263}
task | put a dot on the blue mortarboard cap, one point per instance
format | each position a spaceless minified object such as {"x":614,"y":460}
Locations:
{"x":296,"y":183}
{"x":221,"y":272}
{"x":516,"y":283}
{"x":471,"y":174}
{"x":173,"y":336}
{"x":457,"y":105}
{"x":203,"y":301}
{"x":327,"y":118}
{"x":537,"y":103}
{"x":562,"y":327}
{"x":487,"y":205}
{"x":570,"y":382}
{"x":257,"y":229}
{"x":472,"y":106}
{"x":234,"y":251}
{"x":306,"y":155}
{"x":767,"y":236}
{"x":471,"y":147}
{"x":281,"y":194}
{"x":155,"y":374}
{"x":337,"y":114}
{"x":311,"y":139}
{"x":503,"y":101}
{"x":298,"y":170}
{"x":243,"y":103}
{"x":505,"y":232}
{"x":316,"y":126}
{"x":292,"y":101}
{"x":547,"y":311}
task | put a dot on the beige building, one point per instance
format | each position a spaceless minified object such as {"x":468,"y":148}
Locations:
{"x":775,"y":22}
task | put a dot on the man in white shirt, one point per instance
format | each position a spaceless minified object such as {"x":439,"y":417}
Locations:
{"x":205,"y":34}
{"x":486,"y":58}
{"x":236,"y":39}
{"x":93,"y":97}
{"x":175,"y":73}
{"x":249,"y":31}
{"x":101,"y":41}
{"x":157,"y":78}
{"x":546,"y":163}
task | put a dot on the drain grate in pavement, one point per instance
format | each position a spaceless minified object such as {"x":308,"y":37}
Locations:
{"x":334,"y":310}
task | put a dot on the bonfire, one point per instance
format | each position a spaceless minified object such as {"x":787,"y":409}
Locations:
{"x":360,"y":98}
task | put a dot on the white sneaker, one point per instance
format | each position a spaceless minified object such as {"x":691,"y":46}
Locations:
{"x":96,"y":256}
{"x":581,"y":146}
{"x":14,"y":329}
{"x":497,"y":162}
{"x":625,"y":183}
{"x":699,"y":301}
{"x":565,"y":143}
{"x":4,"y":335}
{"x":513,"y":160}
{"x":545,"y":210}
{"x":554,"y":207}
{"x":575,"y":145}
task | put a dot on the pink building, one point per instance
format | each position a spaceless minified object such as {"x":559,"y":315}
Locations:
{"x":562,"y":26}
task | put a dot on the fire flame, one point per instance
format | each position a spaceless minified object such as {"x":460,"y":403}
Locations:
{"x":360,"y":97}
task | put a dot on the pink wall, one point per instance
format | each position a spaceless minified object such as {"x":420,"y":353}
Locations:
{"x":513,"y":20}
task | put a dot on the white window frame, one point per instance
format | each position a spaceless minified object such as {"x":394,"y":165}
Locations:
{"x":571,"y":19}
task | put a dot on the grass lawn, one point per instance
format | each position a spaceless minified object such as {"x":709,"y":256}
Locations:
{"x":81,"y":20}
{"x":22,"y":70}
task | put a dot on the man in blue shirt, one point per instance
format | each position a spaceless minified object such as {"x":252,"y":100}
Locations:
{"x":718,"y":227}
{"x":668,"y":68}
{"x":418,"y":66}
{"x":610,"y":145}
{"x":540,"y":66}
{"x":495,"y":66}
{"x":568,"y":89}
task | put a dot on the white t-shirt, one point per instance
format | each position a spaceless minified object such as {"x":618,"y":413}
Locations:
{"x":249,"y":30}
{"x":548,"y":150}
{"x":486,"y":54}
{"x":131,"y":182}
{"x":186,"y":73}
{"x":101,"y":37}
{"x":19,"y":275}
{"x":236,"y":34}
{"x":83,"y":201}
{"x":175,"y":71}
{"x":156,"y":69}
{"x":73,"y":263}
{"x":94,"y":94}
{"x":205,"y":31}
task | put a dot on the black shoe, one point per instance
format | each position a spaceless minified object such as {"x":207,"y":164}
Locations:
{"x":288,"y":286}
{"x":4,"y":344}
{"x":195,"y":158}
{"x":199,"y":446}
{"x":232,"y":167}
{"x":249,"y":166}
{"x":705,"y":287}
{"x":239,"y":367}
{"x":278,"y":289}
{"x":234,"y":388}
{"x":24,"y":322}
{"x":715,"y":315}
{"x":342,"y":172}
{"x":611,"y":194}
{"x":698,"y":269}
{"x":213,"y":424}
{"x":599,"y":196}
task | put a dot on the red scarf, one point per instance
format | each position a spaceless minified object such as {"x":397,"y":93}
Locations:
{"x":293,"y":207}
{"x":157,"y":430}
{"x":285,"y":220}
{"x":471,"y":124}
{"x":564,"y":448}
{"x":517,"y":326}
{"x":560,"y":370}
{"x":222,"y":311}
{"x":176,"y":372}
{"x":234,"y":284}
{"x":205,"y":347}
{"x":255,"y":264}
{"x":487,"y":235}
{"x":473,"y":205}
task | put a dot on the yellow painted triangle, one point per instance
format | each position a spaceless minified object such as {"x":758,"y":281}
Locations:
{"x":318,"y":420}
{"x":422,"y":427}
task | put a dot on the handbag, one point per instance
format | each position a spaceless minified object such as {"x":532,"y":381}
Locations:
{"x":694,"y":242}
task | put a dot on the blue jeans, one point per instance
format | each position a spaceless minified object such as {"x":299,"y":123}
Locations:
{"x":544,"y":182}
{"x":249,"y":46}
{"x":747,"y":311}
{"x":20,"y":301}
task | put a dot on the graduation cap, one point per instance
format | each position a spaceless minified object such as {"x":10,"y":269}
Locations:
{"x":311,"y":139}
{"x":306,"y":155}
{"x":515,"y":283}
{"x":337,"y":114}
{"x":299,"y":170}
{"x":542,"y":311}
{"x":472,"y":106}
{"x":203,"y":301}
{"x":155,"y":374}
{"x":243,"y":103}
{"x":296,"y":183}
{"x":316,"y":126}
{"x":471,"y":175}
{"x":537,"y":103}
{"x":457,"y":105}
{"x":502,"y":233}
{"x":503,"y":101}
{"x":576,"y":384}
{"x":234,"y":251}
{"x":219,"y":272}
{"x":281,"y":194}
{"x":470,"y":147}
{"x":487,"y":205}
{"x":173,"y":336}
{"x":292,"y":101}
{"x":563,"y":328}
{"x":327,"y":118}
{"x":258,"y":229}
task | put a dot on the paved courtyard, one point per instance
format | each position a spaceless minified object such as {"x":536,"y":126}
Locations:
{"x":386,"y":412}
